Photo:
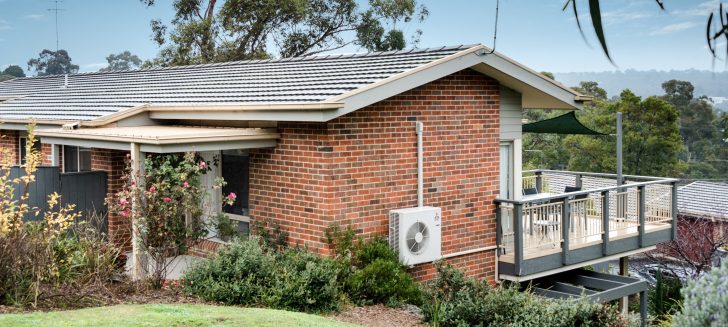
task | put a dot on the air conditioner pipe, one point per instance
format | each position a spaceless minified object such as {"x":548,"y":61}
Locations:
{"x":419,"y":128}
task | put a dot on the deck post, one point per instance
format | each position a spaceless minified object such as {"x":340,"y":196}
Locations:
{"x":643,"y":308}
{"x":565,"y":220}
{"x":641,"y":212}
{"x":673,"y":211}
{"x":498,"y":227}
{"x":605,"y":223}
{"x":518,"y":237}
{"x":539,"y":181}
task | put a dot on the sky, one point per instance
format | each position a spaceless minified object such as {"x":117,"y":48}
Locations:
{"x":534,"y":32}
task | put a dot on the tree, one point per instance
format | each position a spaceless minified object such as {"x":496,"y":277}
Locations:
{"x":14,"y":70}
{"x":549,"y":75}
{"x":651,"y":138}
{"x":679,"y":93}
{"x":216,"y":31}
{"x":592,"y":89}
{"x":122,"y":61}
{"x":52,"y":63}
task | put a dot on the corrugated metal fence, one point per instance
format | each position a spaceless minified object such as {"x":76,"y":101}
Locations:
{"x":87,"y":190}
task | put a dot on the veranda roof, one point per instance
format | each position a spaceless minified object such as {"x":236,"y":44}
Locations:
{"x":163,"y":139}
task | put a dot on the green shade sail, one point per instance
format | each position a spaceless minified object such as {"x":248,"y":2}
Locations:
{"x":564,"y":124}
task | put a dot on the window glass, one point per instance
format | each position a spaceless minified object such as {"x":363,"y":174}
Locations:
{"x":70,"y":159}
{"x":84,"y":159}
{"x":235,"y":166}
{"x":22,"y":151}
{"x":506,"y":168}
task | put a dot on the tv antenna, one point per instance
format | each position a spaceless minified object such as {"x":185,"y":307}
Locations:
{"x":55,"y":10}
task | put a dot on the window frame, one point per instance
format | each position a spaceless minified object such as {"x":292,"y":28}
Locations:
{"x":77,"y":150}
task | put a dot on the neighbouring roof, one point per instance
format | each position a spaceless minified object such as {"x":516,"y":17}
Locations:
{"x":294,"y":80}
{"x":703,"y":199}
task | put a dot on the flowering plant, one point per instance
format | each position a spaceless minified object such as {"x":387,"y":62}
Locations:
{"x":169,"y":206}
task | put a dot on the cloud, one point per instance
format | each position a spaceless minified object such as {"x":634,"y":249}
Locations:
{"x":4,"y":25}
{"x":702,"y":9}
{"x":621,"y":16}
{"x":673,"y":28}
{"x":34,"y":16}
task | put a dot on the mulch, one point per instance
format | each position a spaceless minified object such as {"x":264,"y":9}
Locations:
{"x":380,"y":315}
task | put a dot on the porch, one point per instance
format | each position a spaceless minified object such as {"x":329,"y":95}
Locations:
{"x":566,"y":220}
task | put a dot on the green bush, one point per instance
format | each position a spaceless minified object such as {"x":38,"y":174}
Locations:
{"x":705,"y":300}
{"x":246,"y":274}
{"x":452,"y":299}
{"x":383,"y":281}
{"x":371,"y":270}
{"x":664,"y":299}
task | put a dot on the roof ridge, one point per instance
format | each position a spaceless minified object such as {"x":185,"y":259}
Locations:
{"x":258,"y":61}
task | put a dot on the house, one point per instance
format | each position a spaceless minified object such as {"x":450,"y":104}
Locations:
{"x":323,"y":140}
{"x":702,"y":225}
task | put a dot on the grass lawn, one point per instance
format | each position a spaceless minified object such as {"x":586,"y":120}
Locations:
{"x":167,"y":315}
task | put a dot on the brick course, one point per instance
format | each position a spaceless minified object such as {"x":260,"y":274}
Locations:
{"x":354,"y":169}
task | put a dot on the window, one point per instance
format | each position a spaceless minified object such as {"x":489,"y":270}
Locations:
{"x":76,"y":159}
{"x":235,"y":170}
{"x":22,"y":149}
{"x":506,"y":170}
{"x":233,"y":166}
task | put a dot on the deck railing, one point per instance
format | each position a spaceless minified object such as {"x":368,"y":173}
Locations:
{"x":555,"y":221}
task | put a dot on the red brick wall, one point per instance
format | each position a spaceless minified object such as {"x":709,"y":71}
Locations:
{"x":113,"y":162}
{"x":696,"y":237}
{"x":354,"y":169}
{"x":47,"y":154}
{"x":9,"y":144}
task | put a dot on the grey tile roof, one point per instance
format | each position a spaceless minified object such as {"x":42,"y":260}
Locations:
{"x":294,"y":80}
{"x":703,"y":199}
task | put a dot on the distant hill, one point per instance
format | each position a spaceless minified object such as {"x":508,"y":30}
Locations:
{"x":646,"y":83}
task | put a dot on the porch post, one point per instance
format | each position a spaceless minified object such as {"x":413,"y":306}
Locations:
{"x":137,"y":259}
{"x":539,"y":181}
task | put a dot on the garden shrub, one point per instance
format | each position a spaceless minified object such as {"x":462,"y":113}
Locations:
{"x":705,"y":300}
{"x":371,"y":270}
{"x":377,"y":276}
{"x":452,"y":299}
{"x":664,"y":299}
{"x":53,"y":261}
{"x":247,"y":273}
{"x":383,"y":281}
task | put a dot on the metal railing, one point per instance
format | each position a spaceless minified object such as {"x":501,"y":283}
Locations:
{"x":555,"y":220}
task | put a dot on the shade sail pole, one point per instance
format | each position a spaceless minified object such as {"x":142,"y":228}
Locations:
{"x":623,"y":262}
{"x":620,"y":180}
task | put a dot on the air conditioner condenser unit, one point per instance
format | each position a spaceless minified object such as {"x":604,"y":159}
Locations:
{"x":416,"y":234}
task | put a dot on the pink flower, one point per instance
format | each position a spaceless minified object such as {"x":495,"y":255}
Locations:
{"x":167,"y":199}
{"x":232,"y":196}
{"x":185,"y":184}
{"x":124,"y":214}
{"x":152,"y":189}
{"x":124,"y":202}
{"x":203,"y":165}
